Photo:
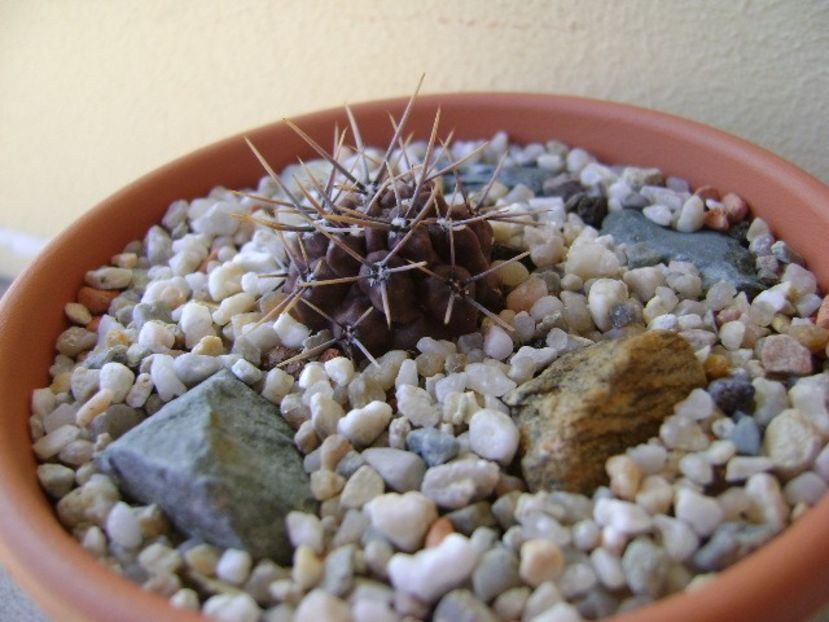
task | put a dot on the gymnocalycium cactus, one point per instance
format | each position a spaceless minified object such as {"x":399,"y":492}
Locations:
{"x":380,"y":257}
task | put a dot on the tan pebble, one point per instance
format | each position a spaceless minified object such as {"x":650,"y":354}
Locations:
{"x":822,"y":319}
{"x":716,"y":366}
{"x":117,"y":338}
{"x":523,"y":297}
{"x":92,"y":325}
{"x":728,"y":315}
{"x":96,"y":300}
{"x":61,"y":382}
{"x":77,"y":313}
{"x":94,"y":406}
{"x":735,"y":207}
{"x":125,"y":260}
{"x":780,"y":323}
{"x":441,"y":528}
{"x":326,"y":484}
{"x":810,"y":336}
{"x":333,"y":448}
{"x":512,"y":274}
{"x":716,"y":219}
{"x":707,"y":192}
{"x":307,"y":569}
{"x":202,"y":558}
{"x":330,"y":353}
{"x":625,"y":476}
{"x":210,"y":345}
{"x":541,"y":560}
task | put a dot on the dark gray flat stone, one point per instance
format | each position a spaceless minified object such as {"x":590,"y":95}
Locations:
{"x":718,"y":257}
{"x":220,"y":461}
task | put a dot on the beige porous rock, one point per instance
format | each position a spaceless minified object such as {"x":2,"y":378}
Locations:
{"x":593,"y":403}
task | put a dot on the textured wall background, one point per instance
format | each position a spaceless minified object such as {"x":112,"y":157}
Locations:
{"x":94,"y":93}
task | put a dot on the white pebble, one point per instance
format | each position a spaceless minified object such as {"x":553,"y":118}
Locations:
{"x":732,"y":334}
{"x":246,"y":371}
{"x":590,"y":260}
{"x":118,"y":378}
{"x":291,"y":333}
{"x":810,"y":397}
{"x":702,"y":513}
{"x":678,"y":539}
{"x":628,"y":518}
{"x":140,"y":391}
{"x":456,"y":484}
{"x":51,"y":445}
{"x":608,"y":568}
{"x":340,"y":369}
{"x":234,"y":566}
{"x":740,"y":468}
{"x":430,"y":573}
{"x":488,"y":379}
{"x":363,"y":425}
{"x":791,"y":442}
{"x":225,"y":280}
{"x":319,"y":605}
{"x":196,"y":323}
{"x":698,"y":405}
{"x":767,"y":502}
{"x":407,"y":374}
{"x":650,"y":457}
{"x":232,"y":608}
{"x":659,"y":214}
{"x":277,"y":385}
{"x":417,"y":406}
{"x":806,"y":488}
{"x":156,"y":336}
{"x":403,"y":519}
{"x":691,"y":215}
{"x":497,"y":343}
{"x":603,"y":296}
{"x":696,"y":468}
{"x":305,"y":529}
{"x":122,"y":526}
{"x":493,"y":435}
{"x":164,"y":378}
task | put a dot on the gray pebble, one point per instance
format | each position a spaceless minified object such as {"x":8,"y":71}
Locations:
{"x":433,"y":445}
{"x":636,"y":201}
{"x":63,"y":414}
{"x":158,"y":245}
{"x":597,"y":605}
{"x":191,"y":368}
{"x":496,"y":572}
{"x":147,"y":311}
{"x":351,"y":528}
{"x":732,"y":394}
{"x":401,"y":470}
{"x":466,"y":520}
{"x":338,"y":578}
{"x":75,"y":340}
{"x":349,"y":464}
{"x":746,"y":436}
{"x":116,"y":420}
{"x":100,"y":357}
{"x":731,"y":542}
{"x":462,"y":606}
{"x":504,"y":509}
{"x":646,"y":566}
{"x":785,"y":254}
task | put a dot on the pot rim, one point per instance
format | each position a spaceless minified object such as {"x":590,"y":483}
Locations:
{"x":71,"y":584}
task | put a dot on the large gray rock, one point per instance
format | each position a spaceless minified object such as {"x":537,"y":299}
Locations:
{"x":220,"y":461}
{"x":717,"y":256}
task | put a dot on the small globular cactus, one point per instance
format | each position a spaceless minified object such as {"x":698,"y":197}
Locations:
{"x":381,"y":258}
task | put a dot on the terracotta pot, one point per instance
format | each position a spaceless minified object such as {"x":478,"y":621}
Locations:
{"x":784,"y":581}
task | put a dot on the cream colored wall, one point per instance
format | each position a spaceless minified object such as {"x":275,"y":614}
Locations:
{"x":95,"y":93}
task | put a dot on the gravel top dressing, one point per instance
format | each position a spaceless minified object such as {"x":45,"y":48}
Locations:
{"x":470,"y":382}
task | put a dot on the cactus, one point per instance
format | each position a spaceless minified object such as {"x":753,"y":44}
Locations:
{"x":380,"y":257}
